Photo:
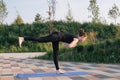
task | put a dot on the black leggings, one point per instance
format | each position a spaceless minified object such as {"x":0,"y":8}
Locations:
{"x":54,"y":38}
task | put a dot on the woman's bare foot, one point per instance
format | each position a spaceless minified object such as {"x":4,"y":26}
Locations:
{"x":20,"y":40}
{"x":60,"y":72}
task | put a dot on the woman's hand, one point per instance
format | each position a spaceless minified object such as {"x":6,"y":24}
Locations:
{"x":65,"y":45}
{"x":82,"y":38}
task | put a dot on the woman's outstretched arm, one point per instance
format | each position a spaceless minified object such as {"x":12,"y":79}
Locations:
{"x":72,"y":44}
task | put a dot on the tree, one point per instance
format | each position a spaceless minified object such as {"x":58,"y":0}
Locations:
{"x":94,"y":9}
{"x":51,"y":13}
{"x":69,"y":16}
{"x":114,"y":12}
{"x":38,"y":18}
{"x":3,"y":11}
{"x":19,"y":20}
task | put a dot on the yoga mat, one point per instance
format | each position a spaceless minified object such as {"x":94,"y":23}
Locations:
{"x":51,"y":74}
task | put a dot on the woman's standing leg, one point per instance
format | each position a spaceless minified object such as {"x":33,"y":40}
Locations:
{"x":55,"y":46}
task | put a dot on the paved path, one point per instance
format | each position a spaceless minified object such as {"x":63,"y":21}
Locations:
{"x":21,"y":56}
{"x":10,"y":66}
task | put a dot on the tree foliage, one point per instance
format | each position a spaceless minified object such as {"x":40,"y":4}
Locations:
{"x":114,"y":12}
{"x":69,"y":16}
{"x":3,"y":11}
{"x":19,"y":20}
{"x":94,"y":9}
{"x":51,"y":13}
{"x":38,"y":18}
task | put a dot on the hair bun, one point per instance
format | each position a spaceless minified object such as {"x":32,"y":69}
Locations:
{"x":81,"y":32}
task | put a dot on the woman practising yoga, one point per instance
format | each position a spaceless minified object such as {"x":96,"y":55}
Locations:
{"x":69,"y":40}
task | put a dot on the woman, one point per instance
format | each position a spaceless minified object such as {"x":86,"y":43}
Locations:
{"x":69,"y":40}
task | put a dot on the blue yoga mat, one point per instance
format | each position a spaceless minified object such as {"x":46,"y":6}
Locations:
{"x":50,"y":74}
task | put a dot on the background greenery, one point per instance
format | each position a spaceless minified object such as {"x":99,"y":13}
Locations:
{"x":102,"y":45}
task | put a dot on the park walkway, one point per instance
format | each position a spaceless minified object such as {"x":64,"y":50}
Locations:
{"x":11,"y":66}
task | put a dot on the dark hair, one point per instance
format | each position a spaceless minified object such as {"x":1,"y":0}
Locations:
{"x":82,"y":33}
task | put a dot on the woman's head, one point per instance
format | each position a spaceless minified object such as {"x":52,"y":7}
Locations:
{"x":82,"y":35}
